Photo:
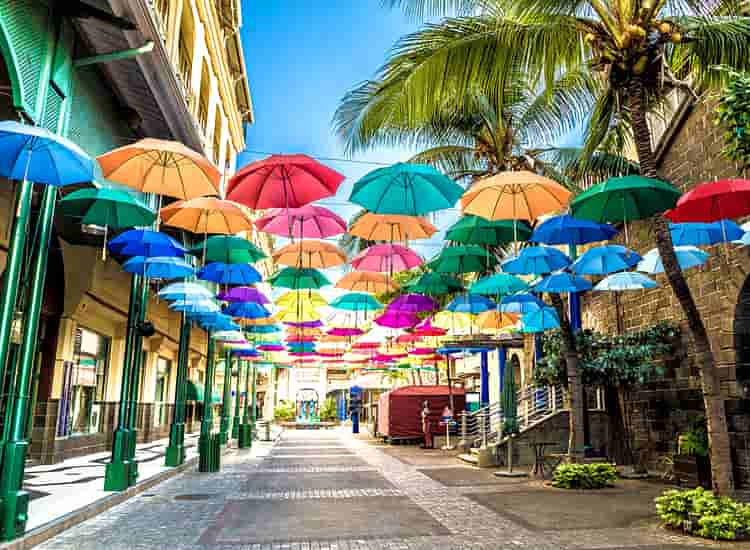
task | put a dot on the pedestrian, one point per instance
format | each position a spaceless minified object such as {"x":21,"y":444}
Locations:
{"x":426,"y":425}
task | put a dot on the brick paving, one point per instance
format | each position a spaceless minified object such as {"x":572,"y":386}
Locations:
{"x":333,"y":504}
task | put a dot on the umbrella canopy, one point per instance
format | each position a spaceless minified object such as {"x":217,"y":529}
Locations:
{"x":434,"y":284}
{"x":704,"y":234}
{"x":304,"y":325}
{"x":536,"y":260}
{"x":34,"y":153}
{"x":462,"y":259}
{"x":310,"y":254}
{"x":602,"y":260}
{"x":407,"y":189}
{"x":713,"y":201}
{"x":162,"y":167}
{"x":345,"y":331}
{"x":391,"y":227}
{"x":396,"y":319}
{"x":263,"y":329}
{"x":159,"y":267}
{"x":470,"y":303}
{"x":185,"y":291}
{"x":687,"y":257}
{"x":477,"y":230}
{"x":294,"y":297}
{"x":144,"y":242}
{"x":452,"y":322}
{"x":206,"y":215}
{"x":624,"y":199}
{"x":571,"y":231}
{"x":494,"y":319}
{"x":356,"y":301}
{"x":518,"y":195}
{"x":228,"y":249}
{"x":297,"y":279}
{"x":230,"y":274}
{"x":426,"y":328}
{"x":311,"y":221}
{"x":243,"y":294}
{"x":498,"y":284}
{"x":195,"y":306}
{"x":112,"y":208}
{"x":367,"y":281}
{"x":303,"y":312}
{"x":247,"y":310}
{"x":386,"y":258}
{"x":626,"y":280}
{"x":229,"y":336}
{"x":521,"y":304}
{"x":545,"y":318}
{"x":283,"y":181}
{"x":413,"y":303}
{"x":558,"y":283}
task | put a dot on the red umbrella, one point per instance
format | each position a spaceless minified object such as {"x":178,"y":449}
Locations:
{"x":283,"y":181}
{"x":311,"y":222}
{"x":713,"y":201}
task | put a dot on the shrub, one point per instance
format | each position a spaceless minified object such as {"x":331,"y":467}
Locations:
{"x":285,"y":410}
{"x":328,"y":410}
{"x":700,"y":512}
{"x":584,"y":476}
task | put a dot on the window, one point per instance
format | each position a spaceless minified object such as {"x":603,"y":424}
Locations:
{"x":163,"y":368}
{"x":88,"y":381}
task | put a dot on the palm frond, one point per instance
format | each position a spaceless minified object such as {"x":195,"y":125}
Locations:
{"x":575,"y":164}
{"x":455,"y":161}
{"x":420,"y":9}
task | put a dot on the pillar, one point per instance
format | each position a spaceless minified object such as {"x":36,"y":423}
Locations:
{"x":236,"y":420}
{"x":502,"y":354}
{"x":484,"y":394}
{"x":175,"y":454}
{"x":226,"y":400}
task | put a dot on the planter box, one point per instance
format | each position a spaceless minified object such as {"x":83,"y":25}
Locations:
{"x":693,"y":471}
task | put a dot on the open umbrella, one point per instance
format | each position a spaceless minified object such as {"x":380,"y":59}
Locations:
{"x":571,"y":231}
{"x":407,"y":189}
{"x":687,"y":257}
{"x":704,"y":234}
{"x":435,"y":284}
{"x":713,"y":201}
{"x":230,"y":274}
{"x":294,"y":297}
{"x":477,"y":230}
{"x":297,"y":279}
{"x":521,"y":304}
{"x":195,"y":306}
{"x":145,"y":242}
{"x":413,"y":303}
{"x":396,"y":319}
{"x":311,"y":221}
{"x":562,"y":282}
{"x":111,"y":208}
{"x":243,"y":294}
{"x":228,"y":249}
{"x":345,"y":331}
{"x":386,"y":258}
{"x":602,"y":260}
{"x":356,"y":301}
{"x":185,"y":291}
{"x":207,"y":215}
{"x":494,"y":319}
{"x":470,"y":303}
{"x":391,"y":227}
{"x":626,"y":280}
{"x":263,"y":329}
{"x":426,"y":328}
{"x":310,"y":254}
{"x":462,"y":259}
{"x":499,"y":284}
{"x":304,"y":312}
{"x":247,"y":310}
{"x":455,"y":323}
{"x":545,"y":318}
{"x":536,"y":260}
{"x":367,"y":281}
{"x":159,"y":267}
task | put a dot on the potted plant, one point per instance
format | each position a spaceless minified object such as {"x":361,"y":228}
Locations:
{"x":692,"y":465}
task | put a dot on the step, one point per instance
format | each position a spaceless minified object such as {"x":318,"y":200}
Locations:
{"x":469,"y":458}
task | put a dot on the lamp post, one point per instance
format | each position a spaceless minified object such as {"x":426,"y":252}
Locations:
{"x":175,"y":454}
{"x":135,"y":382}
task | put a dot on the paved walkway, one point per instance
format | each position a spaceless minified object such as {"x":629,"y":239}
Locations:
{"x":326,"y":490}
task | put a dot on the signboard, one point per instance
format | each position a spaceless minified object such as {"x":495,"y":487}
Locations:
{"x":473,"y":402}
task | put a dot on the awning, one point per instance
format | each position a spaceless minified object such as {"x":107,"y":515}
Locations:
{"x":195,"y":392}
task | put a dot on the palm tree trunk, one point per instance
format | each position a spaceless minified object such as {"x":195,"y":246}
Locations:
{"x":575,"y":387}
{"x":718,"y":434}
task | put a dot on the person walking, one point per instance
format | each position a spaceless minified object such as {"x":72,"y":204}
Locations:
{"x":426,"y":425}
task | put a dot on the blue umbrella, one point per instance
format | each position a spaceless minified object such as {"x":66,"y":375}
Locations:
{"x":705,"y":234}
{"x":159,"y":267}
{"x":247,"y":310}
{"x":470,"y":303}
{"x":536,"y":260}
{"x":185,"y":291}
{"x":687,"y":257}
{"x":195,"y":306}
{"x":214,"y":321}
{"x":144,"y":242}
{"x":538,"y":321}
{"x":626,"y":280}
{"x":230,"y":274}
{"x":558,"y":283}
{"x":602,"y":260}
{"x":263,"y":329}
{"x":521,"y":304}
{"x":498,"y":284}
{"x":36,"y":154}
{"x":569,"y":230}
{"x":251,"y":352}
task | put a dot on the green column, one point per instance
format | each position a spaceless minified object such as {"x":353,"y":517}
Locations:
{"x":226,"y":401}
{"x":252,"y":403}
{"x":208,"y":443}
{"x":135,"y":382}
{"x":246,"y":408}
{"x":175,"y":454}
{"x":14,"y":499}
{"x":236,"y":421}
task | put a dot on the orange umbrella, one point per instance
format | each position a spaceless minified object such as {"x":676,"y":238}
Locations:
{"x":519,"y":195}
{"x":367,"y":281}
{"x":392,"y":227}
{"x":334,"y":338}
{"x":496,"y":320}
{"x":207,"y":215}
{"x":162,"y":167}
{"x":310,"y":254}
{"x":259,"y":322}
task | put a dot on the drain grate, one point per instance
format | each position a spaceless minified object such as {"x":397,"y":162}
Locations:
{"x":195,"y":496}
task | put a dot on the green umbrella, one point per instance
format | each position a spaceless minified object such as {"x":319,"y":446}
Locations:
{"x":435,"y":284}
{"x":111,"y":208}
{"x":298,"y":279}
{"x":477,"y":230}
{"x":462,"y":259}
{"x":499,"y":284}
{"x":508,"y":402}
{"x":228,"y":249}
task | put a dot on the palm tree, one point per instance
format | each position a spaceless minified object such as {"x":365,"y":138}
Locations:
{"x":640,"y":50}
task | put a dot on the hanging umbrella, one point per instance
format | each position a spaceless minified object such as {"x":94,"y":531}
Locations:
{"x":713,"y":201}
{"x":206,"y":215}
{"x":310,"y":254}
{"x":161,"y":167}
{"x":470,"y":303}
{"x":110,"y":208}
{"x":36,"y":154}
{"x":521,"y":304}
{"x":396,"y":319}
{"x":304,"y":325}
{"x":536,"y":260}
{"x":704,"y":234}
{"x":228,"y":249}
{"x":247,"y":310}
{"x":392,"y":227}
{"x":494,"y":319}
{"x":243,"y":294}
{"x":477,"y":230}
{"x":185,"y":291}
{"x":687,"y":257}
{"x":426,"y":328}
{"x":367,"y":281}
{"x":413,"y":303}
{"x":540,"y":320}
{"x":229,"y":336}
{"x":305,"y":312}
{"x":144,"y":242}
{"x":518,"y":195}
{"x":271,"y":347}
{"x":356,"y":301}
{"x":159,"y":267}
{"x":571,"y":231}
{"x":452,"y":322}
{"x":263,"y":329}
{"x":345,"y":331}
{"x":386,"y":258}
{"x":405,"y":189}
{"x":294,"y":297}
{"x":264,"y":321}
{"x":230,"y":274}
{"x":213,"y":320}
{"x":283,"y":181}
{"x":195,"y":306}
{"x":498,"y":284}
{"x":626,"y":280}
{"x":462,"y":259}
{"x":409,"y":338}
{"x":298,"y":279}
{"x":602,"y":260}
{"x":309,"y":221}
{"x":435,"y":284}
{"x":562,"y":282}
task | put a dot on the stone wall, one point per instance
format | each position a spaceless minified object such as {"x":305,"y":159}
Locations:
{"x":665,"y":408}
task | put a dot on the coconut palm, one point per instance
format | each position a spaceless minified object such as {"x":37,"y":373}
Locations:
{"x":640,"y":50}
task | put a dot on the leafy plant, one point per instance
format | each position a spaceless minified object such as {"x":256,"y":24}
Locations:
{"x":733,"y":113}
{"x":695,"y":441}
{"x":285,"y":410}
{"x":328,"y":410}
{"x":583,"y":476}
{"x":700,"y":512}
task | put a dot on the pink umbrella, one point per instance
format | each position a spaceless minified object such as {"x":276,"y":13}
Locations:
{"x":386,"y":258}
{"x":312,"y":222}
{"x":271,"y":347}
{"x":366,"y":345}
{"x":396,"y":319}
{"x":283,"y":181}
{"x":343,"y":331}
{"x":425,"y":328}
{"x":422,"y":351}
{"x":408,"y":338}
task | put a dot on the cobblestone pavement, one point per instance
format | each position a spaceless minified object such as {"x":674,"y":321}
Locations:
{"x":324,"y":490}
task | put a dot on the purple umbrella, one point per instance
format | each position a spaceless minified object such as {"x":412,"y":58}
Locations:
{"x":243,"y":294}
{"x":343,"y":331}
{"x":396,"y":319}
{"x":306,"y":324}
{"x":413,"y":303}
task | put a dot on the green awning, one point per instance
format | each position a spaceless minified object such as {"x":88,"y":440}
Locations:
{"x":195,"y":392}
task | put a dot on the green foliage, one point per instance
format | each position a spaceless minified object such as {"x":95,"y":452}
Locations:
{"x":285,"y":410}
{"x":328,"y":410}
{"x":733,"y":112}
{"x":583,"y":476}
{"x":700,"y":512}
{"x":695,"y":441}
{"x":614,"y":360}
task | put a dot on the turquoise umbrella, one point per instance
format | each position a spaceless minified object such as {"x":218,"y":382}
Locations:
{"x":543,"y":319}
{"x":499,"y":284}
{"x":687,"y":257}
{"x":111,"y":208}
{"x":605,"y":259}
{"x":185,"y":291}
{"x":356,"y":301}
{"x":159,"y":267}
{"x":562,"y":282}
{"x":522,"y":303}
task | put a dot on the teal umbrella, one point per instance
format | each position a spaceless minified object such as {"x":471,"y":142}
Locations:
{"x":435,"y":283}
{"x":356,"y":301}
{"x":499,"y":284}
{"x":112,"y":208}
{"x":228,"y":249}
{"x":298,"y":279}
{"x":462,"y":259}
{"x":477,"y":230}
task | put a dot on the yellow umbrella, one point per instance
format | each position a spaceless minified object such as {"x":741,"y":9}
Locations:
{"x":392,"y":227}
{"x":456,"y":323}
{"x":298,"y":314}
{"x":207,"y":215}
{"x":496,"y":320}
{"x":291,"y":299}
{"x":310,"y":254}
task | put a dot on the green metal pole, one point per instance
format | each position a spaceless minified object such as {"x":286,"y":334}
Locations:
{"x":226,"y":401}
{"x":246,"y":408}
{"x":252,"y":403}
{"x":175,"y":454}
{"x":206,"y":457}
{"x":236,"y":420}
{"x":135,"y":382}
